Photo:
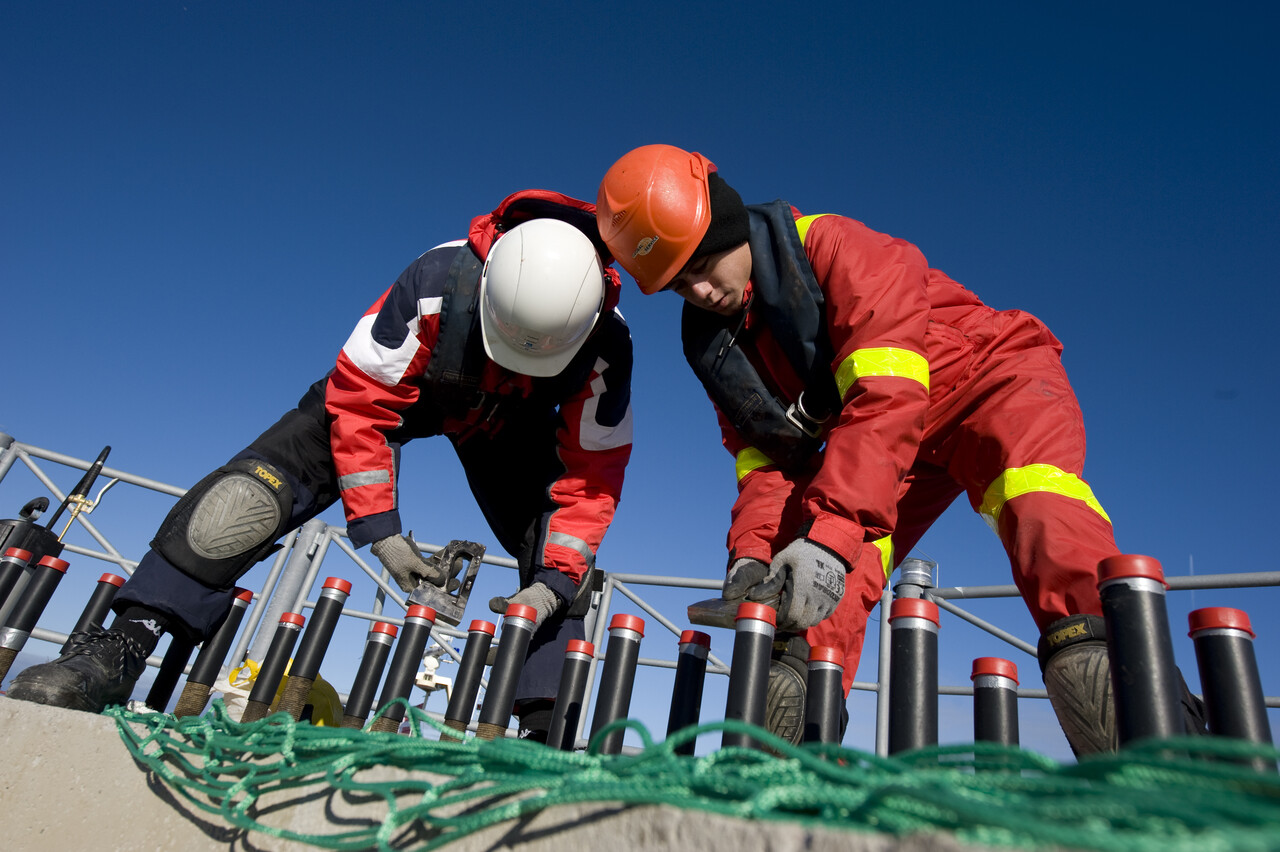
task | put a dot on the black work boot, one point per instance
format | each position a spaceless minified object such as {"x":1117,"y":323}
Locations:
{"x":784,"y":700}
{"x":99,"y":667}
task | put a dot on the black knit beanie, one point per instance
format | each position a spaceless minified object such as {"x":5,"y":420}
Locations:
{"x":728,"y":226}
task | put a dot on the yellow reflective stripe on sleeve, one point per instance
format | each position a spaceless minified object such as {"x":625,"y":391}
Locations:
{"x":750,"y":459}
{"x":885,"y":546}
{"x":803,"y":223}
{"x":1017,"y":481}
{"x":885,"y":361}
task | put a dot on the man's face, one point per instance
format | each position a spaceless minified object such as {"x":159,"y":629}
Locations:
{"x":716,"y":282}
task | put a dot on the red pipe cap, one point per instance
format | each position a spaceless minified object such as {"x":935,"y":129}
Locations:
{"x":914,"y":608}
{"x":994,"y":666}
{"x":384,"y":627}
{"x":697,"y":637}
{"x":293,"y":618}
{"x":243,"y":594}
{"x":482,"y":626}
{"x":60,"y":565}
{"x":420,"y":611}
{"x":339,"y":584}
{"x":19,"y":553}
{"x":114,"y":579}
{"x":757,"y":611}
{"x":577,"y":646}
{"x":826,"y":654}
{"x":1130,"y":565}
{"x":524,"y":611}
{"x":629,"y":622}
{"x":1213,"y":617}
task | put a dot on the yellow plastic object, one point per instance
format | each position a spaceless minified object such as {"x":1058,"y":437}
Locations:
{"x":322,"y":699}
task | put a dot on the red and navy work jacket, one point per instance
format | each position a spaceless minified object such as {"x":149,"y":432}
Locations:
{"x":415,"y":366}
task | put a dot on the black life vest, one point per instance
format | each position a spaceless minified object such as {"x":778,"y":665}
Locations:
{"x":786,"y":295}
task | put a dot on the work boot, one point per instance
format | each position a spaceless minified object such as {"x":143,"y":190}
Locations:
{"x":98,"y":668}
{"x":784,"y":700}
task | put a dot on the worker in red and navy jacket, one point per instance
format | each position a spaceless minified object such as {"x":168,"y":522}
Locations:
{"x":508,"y":343}
{"x":861,"y":391}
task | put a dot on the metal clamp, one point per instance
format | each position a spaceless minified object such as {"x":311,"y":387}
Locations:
{"x":802,"y":420}
{"x":450,"y":606}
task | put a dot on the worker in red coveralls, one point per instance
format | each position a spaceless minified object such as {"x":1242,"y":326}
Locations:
{"x":508,"y":344}
{"x":860,"y":392}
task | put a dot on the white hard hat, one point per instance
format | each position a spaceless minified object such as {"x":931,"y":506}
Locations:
{"x":540,"y":294}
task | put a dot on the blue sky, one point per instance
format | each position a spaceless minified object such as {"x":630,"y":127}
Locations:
{"x":199,"y":200}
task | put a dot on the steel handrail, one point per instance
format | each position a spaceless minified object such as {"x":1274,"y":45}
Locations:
{"x":324,"y":535}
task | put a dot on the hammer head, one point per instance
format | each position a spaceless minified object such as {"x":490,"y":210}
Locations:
{"x":718,"y":612}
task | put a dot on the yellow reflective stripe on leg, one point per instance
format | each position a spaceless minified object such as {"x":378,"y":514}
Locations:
{"x":1017,"y":481}
{"x":885,"y":361}
{"x":885,"y":546}
{"x":750,"y":459}
{"x":803,"y":223}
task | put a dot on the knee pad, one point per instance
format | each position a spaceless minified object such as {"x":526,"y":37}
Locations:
{"x":227,"y":522}
{"x":1072,"y":630}
{"x":1077,"y":676}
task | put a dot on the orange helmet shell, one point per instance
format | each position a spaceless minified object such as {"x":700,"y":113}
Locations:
{"x":653,"y":208}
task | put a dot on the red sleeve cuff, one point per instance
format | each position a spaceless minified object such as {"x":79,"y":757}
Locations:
{"x":838,"y":534}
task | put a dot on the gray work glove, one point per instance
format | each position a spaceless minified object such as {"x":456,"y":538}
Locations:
{"x":810,"y":580}
{"x":744,"y":576}
{"x":539,"y":596}
{"x":399,"y":554}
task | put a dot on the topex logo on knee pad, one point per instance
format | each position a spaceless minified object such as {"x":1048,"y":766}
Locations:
{"x":226,"y":522}
{"x":1069,"y":631}
{"x":1072,"y":631}
{"x":268,"y":477}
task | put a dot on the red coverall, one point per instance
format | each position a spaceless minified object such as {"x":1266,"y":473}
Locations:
{"x":941,"y":395}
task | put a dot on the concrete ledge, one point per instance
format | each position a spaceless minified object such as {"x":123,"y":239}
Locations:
{"x":68,"y":782}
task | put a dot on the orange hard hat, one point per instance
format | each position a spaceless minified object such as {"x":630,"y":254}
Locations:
{"x":653,"y":208}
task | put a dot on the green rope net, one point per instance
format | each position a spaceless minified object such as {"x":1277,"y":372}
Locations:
{"x":1196,"y":793}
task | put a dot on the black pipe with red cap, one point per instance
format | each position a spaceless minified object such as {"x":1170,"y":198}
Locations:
{"x":563,"y":732}
{"x":1233,"y":698}
{"x":613,"y":699}
{"x":27,"y":611}
{"x":824,"y":695}
{"x":995,"y":701}
{"x":1145,"y":680}
{"x":913,"y":674}
{"x":691,"y":675}
{"x":213,"y":653}
{"x":267,"y":681}
{"x":313,"y":645}
{"x":500,"y":698}
{"x":466,"y":685}
{"x":753,"y":630}
{"x":377,"y":647}
{"x":405,"y":663}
